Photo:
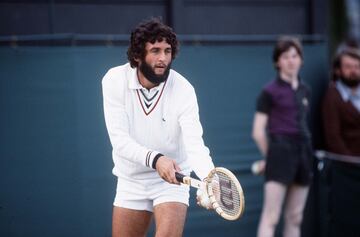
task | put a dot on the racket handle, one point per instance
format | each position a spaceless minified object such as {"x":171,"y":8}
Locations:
{"x":179,"y":177}
{"x":187,"y":180}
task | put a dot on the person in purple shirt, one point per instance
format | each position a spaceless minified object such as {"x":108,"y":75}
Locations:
{"x":281,"y":133}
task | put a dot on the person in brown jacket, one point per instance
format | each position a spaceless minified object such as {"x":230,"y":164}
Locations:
{"x":341,"y":120}
{"x":341,"y":108}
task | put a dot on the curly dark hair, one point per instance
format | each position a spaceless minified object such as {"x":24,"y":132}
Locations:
{"x":150,"y":31}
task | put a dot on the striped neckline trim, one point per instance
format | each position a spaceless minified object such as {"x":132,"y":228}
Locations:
{"x":149,"y":104}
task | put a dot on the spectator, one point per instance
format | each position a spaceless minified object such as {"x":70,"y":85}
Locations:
{"x":281,"y":133}
{"x":341,"y":119}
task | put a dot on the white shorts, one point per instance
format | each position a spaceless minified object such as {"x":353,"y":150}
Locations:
{"x":145,"y":195}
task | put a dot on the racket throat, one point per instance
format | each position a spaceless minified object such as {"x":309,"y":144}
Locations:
{"x":193,"y":182}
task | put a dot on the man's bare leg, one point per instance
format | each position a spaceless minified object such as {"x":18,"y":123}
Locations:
{"x":274,"y":195}
{"x":130,"y":223}
{"x":170,"y":219}
{"x":294,"y":208}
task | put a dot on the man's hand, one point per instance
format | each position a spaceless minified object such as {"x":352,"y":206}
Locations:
{"x":258,"y":167}
{"x":166,"y":168}
{"x":203,"y":199}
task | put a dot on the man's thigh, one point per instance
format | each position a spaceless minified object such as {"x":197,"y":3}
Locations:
{"x":130,"y":223}
{"x":296,"y":200}
{"x":274,"y":196}
{"x":170,"y":219}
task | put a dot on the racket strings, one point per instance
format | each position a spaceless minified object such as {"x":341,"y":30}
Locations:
{"x":226,"y":193}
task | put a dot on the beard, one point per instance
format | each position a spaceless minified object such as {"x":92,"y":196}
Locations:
{"x":150,"y":74}
{"x":352,"y":81}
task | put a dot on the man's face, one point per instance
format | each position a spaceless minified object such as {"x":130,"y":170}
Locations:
{"x":350,"y":68}
{"x":157,"y":61}
{"x":158,"y":56}
{"x":289,"y":62}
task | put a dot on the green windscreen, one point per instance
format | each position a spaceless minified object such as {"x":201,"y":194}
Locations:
{"x":55,"y":155}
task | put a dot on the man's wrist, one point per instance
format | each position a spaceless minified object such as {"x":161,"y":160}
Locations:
{"x":155,"y":160}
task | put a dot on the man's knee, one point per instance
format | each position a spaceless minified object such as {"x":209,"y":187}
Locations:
{"x":273,"y":220}
{"x":170,"y":219}
{"x":271,"y":216}
{"x":168,"y":232}
{"x":293,"y":218}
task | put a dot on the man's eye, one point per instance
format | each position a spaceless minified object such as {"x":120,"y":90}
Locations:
{"x":154,"y":50}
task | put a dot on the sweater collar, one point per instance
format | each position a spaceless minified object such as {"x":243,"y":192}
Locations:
{"x":346,"y":92}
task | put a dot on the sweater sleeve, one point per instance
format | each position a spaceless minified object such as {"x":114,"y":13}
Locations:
{"x":332,"y":123}
{"x":198,"y":154}
{"x":117,"y":123}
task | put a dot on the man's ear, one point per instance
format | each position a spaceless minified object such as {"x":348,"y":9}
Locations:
{"x":276,"y":66}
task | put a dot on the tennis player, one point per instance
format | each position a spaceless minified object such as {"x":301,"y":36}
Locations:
{"x":280,"y":130}
{"x":152,"y":118}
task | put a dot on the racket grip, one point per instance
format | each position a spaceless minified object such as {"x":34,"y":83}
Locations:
{"x":179,"y":177}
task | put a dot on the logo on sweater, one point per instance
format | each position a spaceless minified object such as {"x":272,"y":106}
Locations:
{"x":305,"y":101}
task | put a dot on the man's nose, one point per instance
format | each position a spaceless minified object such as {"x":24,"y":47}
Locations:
{"x":162,"y":56}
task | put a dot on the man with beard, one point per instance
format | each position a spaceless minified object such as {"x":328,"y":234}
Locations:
{"x":341,"y":119}
{"x":341,"y":108}
{"x":152,"y":118}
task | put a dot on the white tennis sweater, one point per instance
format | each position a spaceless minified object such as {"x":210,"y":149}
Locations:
{"x":142,"y":123}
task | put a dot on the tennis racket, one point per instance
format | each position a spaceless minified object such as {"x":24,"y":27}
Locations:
{"x":224,"y":190}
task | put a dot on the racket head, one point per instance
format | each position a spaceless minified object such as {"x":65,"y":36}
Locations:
{"x":225,"y":193}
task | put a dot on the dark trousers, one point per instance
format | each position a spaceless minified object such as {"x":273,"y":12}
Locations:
{"x":344,"y":203}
